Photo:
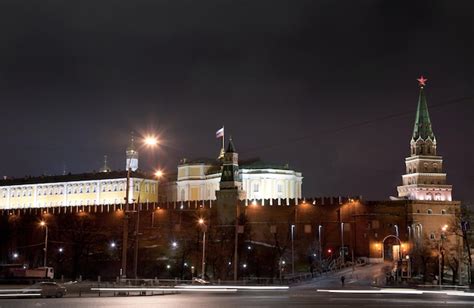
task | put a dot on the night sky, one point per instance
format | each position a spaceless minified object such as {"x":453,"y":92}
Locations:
{"x":326,"y":86}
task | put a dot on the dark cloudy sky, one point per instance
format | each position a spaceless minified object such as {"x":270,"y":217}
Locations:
{"x":77,"y":76}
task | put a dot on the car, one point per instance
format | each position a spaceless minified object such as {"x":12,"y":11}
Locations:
{"x":49,"y":289}
{"x":200,"y":280}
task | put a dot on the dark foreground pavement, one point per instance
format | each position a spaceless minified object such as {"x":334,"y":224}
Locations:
{"x":292,"y":298}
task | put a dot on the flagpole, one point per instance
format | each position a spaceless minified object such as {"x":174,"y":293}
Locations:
{"x":223,"y":142}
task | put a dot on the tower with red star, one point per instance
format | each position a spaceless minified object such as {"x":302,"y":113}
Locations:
{"x":424,"y":178}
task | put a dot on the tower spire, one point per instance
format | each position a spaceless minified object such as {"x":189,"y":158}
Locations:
{"x":422,"y":128}
{"x":105,"y":168}
{"x":132,"y":155}
{"x":424,"y":178}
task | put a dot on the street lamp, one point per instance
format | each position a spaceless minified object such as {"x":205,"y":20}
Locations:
{"x":342,"y":242}
{"x":60,"y":249}
{"x":292,"y":250}
{"x":15,"y":255}
{"x":320,"y":245}
{"x":440,"y":256}
{"x":174,"y":244}
{"x":158,"y":174}
{"x":43,"y":224}
{"x":150,"y":141}
{"x":203,"y":263}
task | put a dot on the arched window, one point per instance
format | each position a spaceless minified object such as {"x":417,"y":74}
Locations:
{"x":443,"y":212}
{"x":432,"y":236}
{"x":429,"y":196}
{"x":430,"y":211}
{"x":256,"y":187}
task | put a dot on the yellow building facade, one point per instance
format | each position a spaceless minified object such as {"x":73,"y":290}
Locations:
{"x":76,"y":190}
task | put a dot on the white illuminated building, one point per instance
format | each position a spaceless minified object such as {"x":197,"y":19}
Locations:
{"x":199,"y":180}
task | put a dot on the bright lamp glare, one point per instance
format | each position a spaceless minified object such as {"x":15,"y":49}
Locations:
{"x":158,"y":173}
{"x":151,"y":141}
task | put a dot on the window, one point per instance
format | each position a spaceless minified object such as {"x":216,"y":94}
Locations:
{"x":375,"y":224}
{"x":432,"y":236}
{"x":443,"y":212}
{"x":256,"y":187}
{"x":88,"y":189}
{"x":430,"y":211}
{"x":280,"y":188}
{"x":429,"y":196}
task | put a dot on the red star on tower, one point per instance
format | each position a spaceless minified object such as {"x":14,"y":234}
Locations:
{"x":422,"y":81}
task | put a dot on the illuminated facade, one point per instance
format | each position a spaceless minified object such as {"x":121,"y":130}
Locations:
{"x":424,"y":178}
{"x":66,"y":191}
{"x":199,"y":180}
{"x":104,"y":187}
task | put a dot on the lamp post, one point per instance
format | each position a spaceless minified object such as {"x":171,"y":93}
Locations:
{"x":342,"y":242}
{"x":45,"y":260}
{"x":203,"y":262}
{"x":236,"y":242}
{"x":292,"y":250}
{"x":440,"y":256}
{"x":150,"y":141}
{"x":320,"y":245}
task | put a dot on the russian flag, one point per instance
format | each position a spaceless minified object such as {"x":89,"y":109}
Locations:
{"x":220,"y":133}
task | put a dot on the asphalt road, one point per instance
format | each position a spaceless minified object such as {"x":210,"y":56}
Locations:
{"x":303,"y":298}
{"x":303,"y":295}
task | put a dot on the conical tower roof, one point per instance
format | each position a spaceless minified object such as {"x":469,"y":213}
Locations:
{"x":230,"y":146}
{"x":131,"y":146}
{"x":422,"y":128}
